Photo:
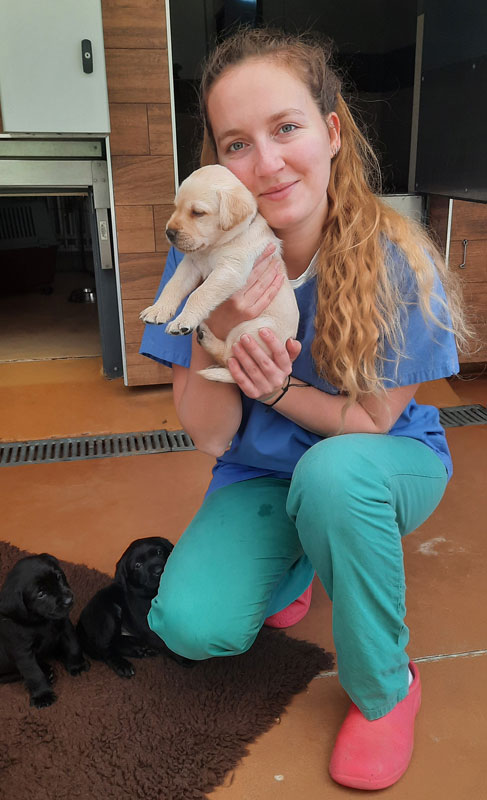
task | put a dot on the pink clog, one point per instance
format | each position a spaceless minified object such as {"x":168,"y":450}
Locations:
{"x":292,"y":613}
{"x":374,"y":754}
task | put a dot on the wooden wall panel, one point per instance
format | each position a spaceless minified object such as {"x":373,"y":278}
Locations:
{"x":143,"y":180}
{"x":141,"y":146}
{"x":469,"y":221}
{"x":137,"y":76}
{"x":142,"y":370}
{"x":140,"y":275}
{"x":134,"y":23}
{"x":135,"y":229}
{"x":160,"y":128}
{"x":145,"y":372}
{"x":130,"y":130}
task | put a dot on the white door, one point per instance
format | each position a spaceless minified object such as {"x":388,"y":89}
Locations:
{"x":52,"y":67}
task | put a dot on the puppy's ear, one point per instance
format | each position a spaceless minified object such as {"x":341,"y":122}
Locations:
{"x":235,"y":206}
{"x":166,"y":545}
{"x":121,"y":569}
{"x":12,"y":601}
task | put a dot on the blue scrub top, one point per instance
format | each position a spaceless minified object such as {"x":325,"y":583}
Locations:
{"x":267,"y":443}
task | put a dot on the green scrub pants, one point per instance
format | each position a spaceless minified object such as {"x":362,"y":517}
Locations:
{"x":254,"y":546}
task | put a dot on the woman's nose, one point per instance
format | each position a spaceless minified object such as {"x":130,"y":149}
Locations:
{"x":269,"y":159}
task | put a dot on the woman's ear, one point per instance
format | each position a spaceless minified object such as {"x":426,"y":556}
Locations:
{"x":333,"y":125}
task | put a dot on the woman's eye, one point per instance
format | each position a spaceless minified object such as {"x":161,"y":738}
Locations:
{"x":287,"y":128}
{"x":236,"y":146}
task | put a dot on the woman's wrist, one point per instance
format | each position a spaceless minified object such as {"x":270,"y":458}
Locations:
{"x":271,"y":399}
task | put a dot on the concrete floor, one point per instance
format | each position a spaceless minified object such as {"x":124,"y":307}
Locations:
{"x":37,"y":326}
{"x":89,"y":511}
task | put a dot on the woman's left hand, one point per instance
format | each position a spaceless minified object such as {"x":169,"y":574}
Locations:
{"x":261,"y":376}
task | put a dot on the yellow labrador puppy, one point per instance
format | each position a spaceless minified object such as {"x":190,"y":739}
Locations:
{"x":217,"y":225}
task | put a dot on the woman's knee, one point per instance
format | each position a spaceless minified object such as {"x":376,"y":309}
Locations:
{"x":328,"y":471}
{"x":335,"y":484}
{"x":199,"y":630}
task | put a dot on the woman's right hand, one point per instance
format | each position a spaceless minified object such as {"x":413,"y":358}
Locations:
{"x":262,"y":286}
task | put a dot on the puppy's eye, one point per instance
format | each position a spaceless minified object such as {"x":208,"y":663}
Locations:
{"x":195,"y":213}
{"x":137,"y":565}
{"x":59,"y":576}
{"x":41,"y":593}
{"x":158,"y":552}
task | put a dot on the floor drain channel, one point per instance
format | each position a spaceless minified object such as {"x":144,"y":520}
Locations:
{"x":458,"y":416}
{"x":80,"y":448}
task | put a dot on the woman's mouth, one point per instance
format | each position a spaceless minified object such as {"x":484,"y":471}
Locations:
{"x":279,"y":192}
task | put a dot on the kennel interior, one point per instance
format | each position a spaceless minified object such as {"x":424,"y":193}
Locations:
{"x":48,"y":301}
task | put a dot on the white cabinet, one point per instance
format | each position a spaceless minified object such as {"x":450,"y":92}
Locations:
{"x":49,"y":83}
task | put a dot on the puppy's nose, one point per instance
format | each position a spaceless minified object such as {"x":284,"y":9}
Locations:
{"x":171,"y":234}
{"x":68,"y":601}
{"x":157,"y":571}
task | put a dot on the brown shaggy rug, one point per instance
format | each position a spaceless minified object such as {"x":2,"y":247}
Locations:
{"x":169,"y":733}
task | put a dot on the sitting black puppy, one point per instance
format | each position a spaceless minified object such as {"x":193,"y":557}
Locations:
{"x":114,"y":624}
{"x":35,"y":602}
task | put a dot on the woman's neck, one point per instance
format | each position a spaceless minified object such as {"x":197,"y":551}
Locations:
{"x":300,"y":244}
{"x":297,"y":252}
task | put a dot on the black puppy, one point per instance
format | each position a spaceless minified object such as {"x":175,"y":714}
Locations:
{"x":35,"y":602}
{"x":114,"y":624}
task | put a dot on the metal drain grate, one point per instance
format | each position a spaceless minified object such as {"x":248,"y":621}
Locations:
{"x":80,"y":448}
{"x":457,"y":416}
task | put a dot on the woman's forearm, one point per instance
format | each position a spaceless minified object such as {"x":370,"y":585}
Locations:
{"x":209,"y":411}
{"x":322,"y":413}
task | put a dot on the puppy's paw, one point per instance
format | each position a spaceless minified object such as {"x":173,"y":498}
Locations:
{"x":79,"y":667}
{"x":151,"y":653}
{"x":122,"y":667}
{"x":48,"y":672}
{"x":155,"y":314}
{"x":43,"y":699}
{"x":181,"y":660}
{"x":202,"y":333}
{"x":141,"y":651}
{"x":180,"y":326}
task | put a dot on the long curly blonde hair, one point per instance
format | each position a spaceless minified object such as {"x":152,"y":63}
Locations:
{"x":359,"y":302}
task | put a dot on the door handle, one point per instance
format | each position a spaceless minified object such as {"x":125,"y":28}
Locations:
{"x":464,"y":263}
{"x":87,"y":56}
{"x":104,"y":238}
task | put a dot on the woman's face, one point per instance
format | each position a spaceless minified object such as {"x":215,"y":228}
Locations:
{"x":270,"y":134}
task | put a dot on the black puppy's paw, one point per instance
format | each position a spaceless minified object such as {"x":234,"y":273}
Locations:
{"x":122,"y":667}
{"x":79,"y":667}
{"x":141,"y":651}
{"x":150,"y":652}
{"x":43,"y":699}
{"x":48,"y":672}
{"x":181,"y":660}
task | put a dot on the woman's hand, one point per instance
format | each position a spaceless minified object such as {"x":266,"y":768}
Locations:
{"x":258,"y":375}
{"x":263,"y":284}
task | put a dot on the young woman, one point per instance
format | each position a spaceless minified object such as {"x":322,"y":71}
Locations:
{"x":324,"y":459}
